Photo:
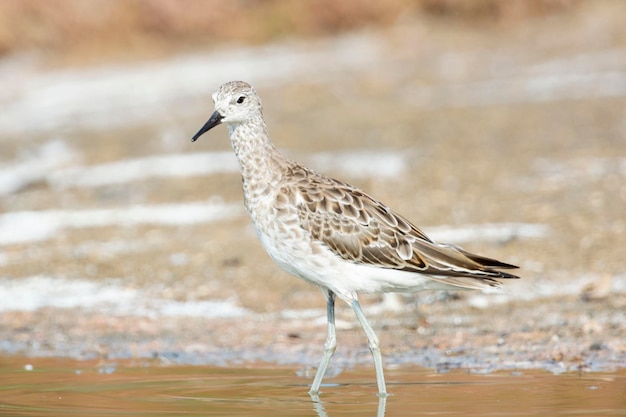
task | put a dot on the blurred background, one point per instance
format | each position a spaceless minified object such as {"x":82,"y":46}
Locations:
{"x":499,"y":126}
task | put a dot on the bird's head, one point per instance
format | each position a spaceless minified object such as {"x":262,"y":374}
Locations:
{"x":235,"y":102}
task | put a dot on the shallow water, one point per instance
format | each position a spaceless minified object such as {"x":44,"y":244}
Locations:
{"x":59,"y":387}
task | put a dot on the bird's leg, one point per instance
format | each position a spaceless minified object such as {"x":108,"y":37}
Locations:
{"x":374,"y":346}
{"x":329,"y":346}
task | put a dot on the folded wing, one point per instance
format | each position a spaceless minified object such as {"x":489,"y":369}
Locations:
{"x":360,"y":229}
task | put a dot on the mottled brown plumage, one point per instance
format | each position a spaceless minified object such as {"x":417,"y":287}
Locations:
{"x":362,"y":230}
{"x":332,"y":234}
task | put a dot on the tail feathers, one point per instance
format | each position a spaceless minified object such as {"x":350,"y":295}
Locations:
{"x":489,"y":262}
{"x":467,"y":283}
{"x":446,"y":260}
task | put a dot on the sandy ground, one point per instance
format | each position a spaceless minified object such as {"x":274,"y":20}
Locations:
{"x":484,"y":126}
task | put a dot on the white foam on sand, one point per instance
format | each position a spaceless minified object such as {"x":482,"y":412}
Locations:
{"x":34,"y":166}
{"x":491,"y":232}
{"x":107,"y":296}
{"x":137,"y":169}
{"x":559,"y":172}
{"x":529,"y":290}
{"x":362,"y":163}
{"x":356,"y":163}
{"x":111,"y":296}
{"x":516,"y":79}
{"x":519,"y":89}
{"x":28,"y":226}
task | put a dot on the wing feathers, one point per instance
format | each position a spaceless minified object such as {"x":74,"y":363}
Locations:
{"x":359,"y":229}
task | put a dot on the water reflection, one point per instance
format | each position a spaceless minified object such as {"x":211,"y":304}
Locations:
{"x":318,"y":406}
{"x":52,"y":387}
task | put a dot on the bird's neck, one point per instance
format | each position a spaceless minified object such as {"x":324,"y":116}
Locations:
{"x":261,"y":163}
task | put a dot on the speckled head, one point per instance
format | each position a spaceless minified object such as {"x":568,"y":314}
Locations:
{"x":235,"y":102}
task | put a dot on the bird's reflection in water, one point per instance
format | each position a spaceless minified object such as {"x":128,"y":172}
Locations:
{"x":318,"y":405}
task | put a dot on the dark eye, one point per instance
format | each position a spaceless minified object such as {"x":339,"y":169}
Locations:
{"x":241,"y":99}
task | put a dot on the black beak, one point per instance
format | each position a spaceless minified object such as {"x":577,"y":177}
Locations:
{"x":213,"y":121}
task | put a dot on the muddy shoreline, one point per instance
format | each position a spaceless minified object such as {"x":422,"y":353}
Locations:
{"x":442,"y":335}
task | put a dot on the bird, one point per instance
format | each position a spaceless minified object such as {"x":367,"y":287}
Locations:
{"x":332,"y":234}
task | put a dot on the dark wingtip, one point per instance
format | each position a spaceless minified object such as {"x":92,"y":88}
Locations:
{"x":506,"y":275}
{"x":491,"y":265}
{"x":485,"y":261}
